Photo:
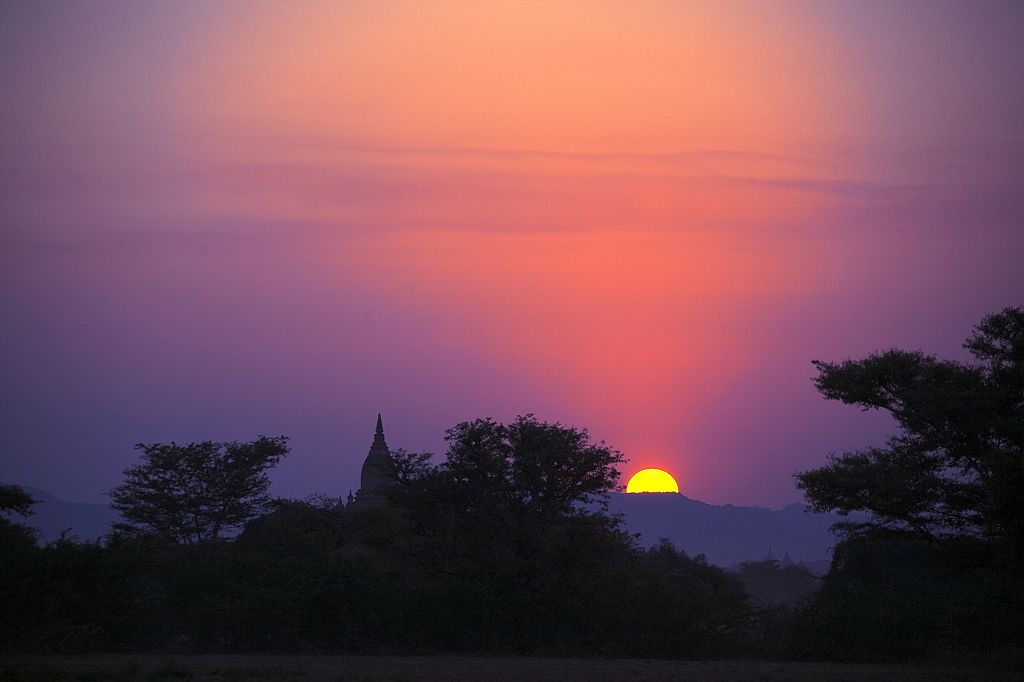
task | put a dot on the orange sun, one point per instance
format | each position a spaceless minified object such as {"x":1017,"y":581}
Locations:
{"x":652,"y":481}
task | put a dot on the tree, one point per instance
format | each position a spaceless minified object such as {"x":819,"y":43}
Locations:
{"x":935,"y":563}
{"x":504,"y":483}
{"x":18,"y":572}
{"x":957,"y":467}
{"x":897,"y":597}
{"x":196,"y":492}
{"x":510,"y":528}
{"x":14,"y":500}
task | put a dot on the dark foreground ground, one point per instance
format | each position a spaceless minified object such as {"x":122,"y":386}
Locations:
{"x":420,"y":669}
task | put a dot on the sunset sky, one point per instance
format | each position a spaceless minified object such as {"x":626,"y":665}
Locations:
{"x":226,"y":219}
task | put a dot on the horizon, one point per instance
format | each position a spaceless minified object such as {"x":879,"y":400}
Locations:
{"x":727,"y":535}
{"x":316,"y":493}
{"x":226,"y":220}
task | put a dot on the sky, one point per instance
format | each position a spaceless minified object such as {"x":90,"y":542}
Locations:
{"x":226,"y":219}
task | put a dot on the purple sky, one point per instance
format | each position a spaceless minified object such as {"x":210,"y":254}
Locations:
{"x":220,"y":220}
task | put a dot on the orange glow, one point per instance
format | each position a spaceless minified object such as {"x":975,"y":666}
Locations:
{"x":568,"y":76}
{"x":652,"y":481}
{"x":600,"y":202}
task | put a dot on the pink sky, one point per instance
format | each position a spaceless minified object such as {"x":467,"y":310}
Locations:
{"x":227,"y":219}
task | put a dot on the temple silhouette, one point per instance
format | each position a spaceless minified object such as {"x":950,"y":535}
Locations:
{"x":377,"y":473}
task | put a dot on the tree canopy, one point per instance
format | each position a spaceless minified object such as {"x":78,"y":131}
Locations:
{"x":196,"y":492}
{"x":510,"y":531}
{"x":545,"y":468}
{"x":15,"y":500}
{"x":957,"y":466}
{"x":503,"y":490}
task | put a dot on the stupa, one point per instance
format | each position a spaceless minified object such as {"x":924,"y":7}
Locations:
{"x":377,"y":474}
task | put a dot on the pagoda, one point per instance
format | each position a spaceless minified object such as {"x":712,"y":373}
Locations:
{"x":377,"y":474}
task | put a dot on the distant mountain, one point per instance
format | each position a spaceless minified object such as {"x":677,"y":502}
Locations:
{"x":52,"y":516}
{"x":727,"y":534}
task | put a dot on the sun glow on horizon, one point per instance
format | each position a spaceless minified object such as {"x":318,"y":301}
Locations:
{"x":652,"y":481}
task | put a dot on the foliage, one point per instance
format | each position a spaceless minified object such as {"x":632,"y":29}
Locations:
{"x":771,"y":584}
{"x":17,"y":551}
{"x":688,"y":608}
{"x":936,"y":565}
{"x":545,"y":470}
{"x":504,"y":495}
{"x":890,"y":596}
{"x":957,"y":467}
{"x":511,"y":532}
{"x":502,"y":526}
{"x":196,"y":492}
{"x":14,"y":500}
{"x":502,"y":547}
{"x":16,"y":537}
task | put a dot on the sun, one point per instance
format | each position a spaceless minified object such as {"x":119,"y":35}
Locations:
{"x":652,"y":481}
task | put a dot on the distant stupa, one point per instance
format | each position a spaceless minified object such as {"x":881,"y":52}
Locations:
{"x":377,"y":474}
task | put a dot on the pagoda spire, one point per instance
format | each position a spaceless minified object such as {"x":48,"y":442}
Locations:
{"x":377,"y":472}
{"x":379,"y":444}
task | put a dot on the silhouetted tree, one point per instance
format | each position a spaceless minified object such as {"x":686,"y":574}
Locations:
{"x":957,"y":467}
{"x":893,"y":596}
{"x":936,"y":564}
{"x":18,"y":550}
{"x":510,"y":527}
{"x":501,"y":488}
{"x":196,"y":492}
{"x":14,"y":500}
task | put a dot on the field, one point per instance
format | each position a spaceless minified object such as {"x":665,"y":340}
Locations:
{"x":102,"y":668}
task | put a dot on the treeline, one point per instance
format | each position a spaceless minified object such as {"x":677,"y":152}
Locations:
{"x":309,"y":577}
{"x":505,"y":547}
